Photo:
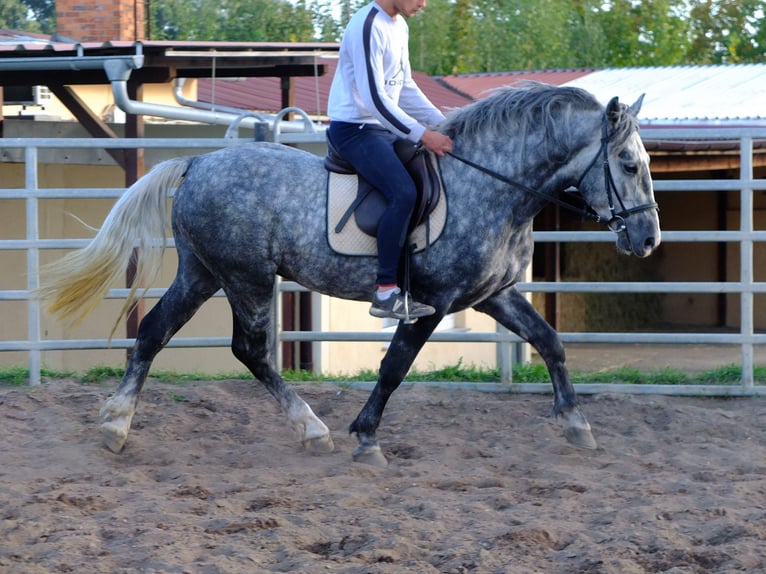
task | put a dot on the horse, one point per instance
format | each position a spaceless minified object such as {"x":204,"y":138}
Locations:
{"x":243,"y":215}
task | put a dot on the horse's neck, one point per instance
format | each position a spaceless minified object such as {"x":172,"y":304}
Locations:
{"x":526,"y":170}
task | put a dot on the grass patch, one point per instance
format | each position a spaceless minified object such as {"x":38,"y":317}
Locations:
{"x":19,"y":376}
{"x":724,"y":375}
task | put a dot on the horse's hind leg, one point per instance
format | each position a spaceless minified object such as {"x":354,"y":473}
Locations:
{"x":514,"y":312}
{"x":192,"y":286}
{"x":250,"y":344}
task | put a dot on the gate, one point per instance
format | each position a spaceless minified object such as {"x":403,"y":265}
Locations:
{"x":745,"y":338}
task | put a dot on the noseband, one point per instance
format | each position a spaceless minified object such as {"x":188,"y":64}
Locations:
{"x":616,"y":222}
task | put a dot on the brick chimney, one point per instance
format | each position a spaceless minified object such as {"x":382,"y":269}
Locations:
{"x":101,"y":20}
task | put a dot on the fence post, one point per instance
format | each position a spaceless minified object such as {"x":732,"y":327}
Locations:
{"x":747,"y":320}
{"x":33,"y":263}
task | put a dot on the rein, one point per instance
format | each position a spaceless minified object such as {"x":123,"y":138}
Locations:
{"x":616,"y":222}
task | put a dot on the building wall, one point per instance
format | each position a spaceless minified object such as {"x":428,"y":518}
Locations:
{"x":352,"y":357}
{"x":102,"y":21}
{"x":100,"y":101}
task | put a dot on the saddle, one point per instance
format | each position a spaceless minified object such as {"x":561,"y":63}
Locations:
{"x":369,"y":204}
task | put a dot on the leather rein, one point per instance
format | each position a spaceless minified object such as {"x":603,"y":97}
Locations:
{"x":617,"y":219}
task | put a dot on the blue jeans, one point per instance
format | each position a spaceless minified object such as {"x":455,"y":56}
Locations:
{"x":370,"y":149}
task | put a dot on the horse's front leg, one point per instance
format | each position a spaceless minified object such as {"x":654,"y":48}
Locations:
{"x":405,"y":346}
{"x":514,"y":312}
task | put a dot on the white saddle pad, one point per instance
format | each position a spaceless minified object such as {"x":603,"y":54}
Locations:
{"x":341,"y":192}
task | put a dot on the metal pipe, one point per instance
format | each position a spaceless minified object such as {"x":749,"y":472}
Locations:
{"x":118,"y":72}
{"x":78,"y":62}
{"x":211,"y":107}
{"x":52,"y":63}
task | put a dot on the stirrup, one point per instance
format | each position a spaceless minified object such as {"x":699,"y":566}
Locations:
{"x":407,"y":319}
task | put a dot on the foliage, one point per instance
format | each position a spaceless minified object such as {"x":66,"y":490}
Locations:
{"x":14,"y":16}
{"x":502,"y":35}
{"x":467,"y":36}
{"x":231,"y":20}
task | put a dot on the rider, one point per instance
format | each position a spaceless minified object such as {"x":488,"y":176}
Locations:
{"x":374,"y":102}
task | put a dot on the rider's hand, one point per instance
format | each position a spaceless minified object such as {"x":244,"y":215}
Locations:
{"x":436,"y":142}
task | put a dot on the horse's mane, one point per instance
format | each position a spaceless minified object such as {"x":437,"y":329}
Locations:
{"x":531,"y":107}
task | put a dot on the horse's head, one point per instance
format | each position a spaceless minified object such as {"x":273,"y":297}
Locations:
{"x":618,"y":185}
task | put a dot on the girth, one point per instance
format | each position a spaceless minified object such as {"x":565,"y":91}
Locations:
{"x":369,"y":204}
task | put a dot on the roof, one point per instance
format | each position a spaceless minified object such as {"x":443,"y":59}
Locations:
{"x":310,"y":93}
{"x":14,"y":37}
{"x":687,"y":96}
{"x":706,"y":95}
{"x":675,"y":95}
{"x":24,"y":56}
{"x":479,"y":86}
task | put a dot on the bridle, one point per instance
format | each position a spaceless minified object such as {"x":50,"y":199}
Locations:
{"x":617,"y":219}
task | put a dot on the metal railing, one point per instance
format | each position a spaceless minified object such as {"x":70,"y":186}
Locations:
{"x":746,"y":338}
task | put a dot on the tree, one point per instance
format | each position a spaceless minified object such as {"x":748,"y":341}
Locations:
{"x":232,"y":20}
{"x":13,"y":15}
{"x":731,"y":31}
{"x":44,"y":13}
{"x":185,"y":19}
{"x":463,"y":36}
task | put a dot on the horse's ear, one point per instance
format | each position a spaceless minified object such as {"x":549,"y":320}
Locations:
{"x":636,"y":107}
{"x":614,"y":109}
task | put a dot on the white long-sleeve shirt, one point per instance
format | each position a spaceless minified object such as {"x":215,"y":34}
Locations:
{"x":373,"y":81}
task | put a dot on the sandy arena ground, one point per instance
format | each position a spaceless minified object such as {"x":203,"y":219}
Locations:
{"x":211,"y":481}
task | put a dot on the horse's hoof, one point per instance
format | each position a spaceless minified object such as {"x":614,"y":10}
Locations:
{"x":319,"y":445}
{"x":580,"y":437}
{"x":114,"y":436}
{"x":371,"y":455}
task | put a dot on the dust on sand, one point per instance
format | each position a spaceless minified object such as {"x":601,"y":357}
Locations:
{"x":211,"y":481}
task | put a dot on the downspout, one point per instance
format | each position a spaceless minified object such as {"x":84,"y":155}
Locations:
{"x":118,"y":72}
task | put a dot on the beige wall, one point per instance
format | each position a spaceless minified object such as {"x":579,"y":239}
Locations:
{"x":100,"y":101}
{"x":350,"y":357}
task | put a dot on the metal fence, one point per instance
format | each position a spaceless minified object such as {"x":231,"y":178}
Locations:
{"x":746,"y":338}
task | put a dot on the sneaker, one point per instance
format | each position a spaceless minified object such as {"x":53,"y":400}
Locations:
{"x":399,"y":306}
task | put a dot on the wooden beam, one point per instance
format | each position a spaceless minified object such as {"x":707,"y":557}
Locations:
{"x":90,"y":121}
{"x":674,"y":163}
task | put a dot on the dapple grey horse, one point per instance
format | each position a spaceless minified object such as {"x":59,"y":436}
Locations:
{"x":245,"y":214}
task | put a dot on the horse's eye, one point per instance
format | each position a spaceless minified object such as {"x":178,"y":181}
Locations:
{"x":630,"y":168}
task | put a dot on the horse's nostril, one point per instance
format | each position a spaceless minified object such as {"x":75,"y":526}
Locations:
{"x":649,"y":243}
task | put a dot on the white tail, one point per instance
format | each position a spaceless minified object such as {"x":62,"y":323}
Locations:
{"x":76,"y":283}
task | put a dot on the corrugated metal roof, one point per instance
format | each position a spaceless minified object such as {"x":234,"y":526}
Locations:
{"x":709,"y":95}
{"x":13,"y":37}
{"x":310,"y":93}
{"x":675,"y":95}
{"x":479,"y":86}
